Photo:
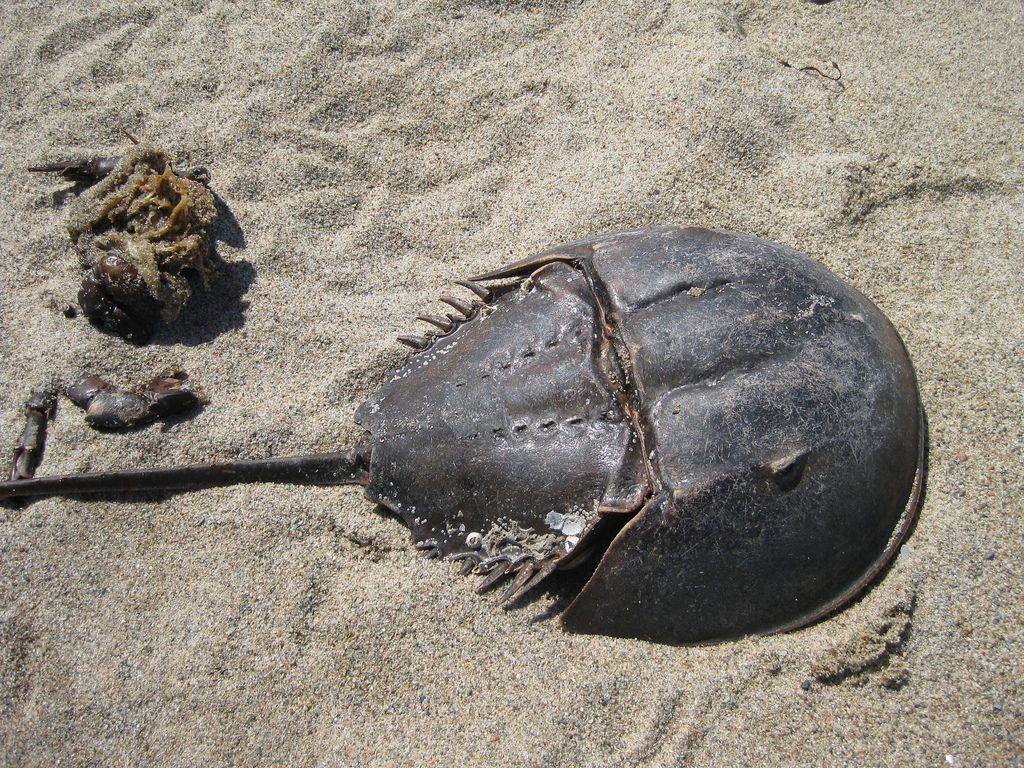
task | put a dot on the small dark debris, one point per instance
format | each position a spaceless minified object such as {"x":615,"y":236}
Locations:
{"x":835,"y":75}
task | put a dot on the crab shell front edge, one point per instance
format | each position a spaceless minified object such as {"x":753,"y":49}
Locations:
{"x":747,"y":422}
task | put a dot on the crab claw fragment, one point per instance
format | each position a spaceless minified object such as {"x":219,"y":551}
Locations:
{"x":84,"y":172}
{"x":109,"y":407}
{"x":39,"y":410}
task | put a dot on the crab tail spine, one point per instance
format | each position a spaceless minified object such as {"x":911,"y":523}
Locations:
{"x":319,"y":469}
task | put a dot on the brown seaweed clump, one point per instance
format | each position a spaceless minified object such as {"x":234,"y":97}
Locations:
{"x":139,"y":233}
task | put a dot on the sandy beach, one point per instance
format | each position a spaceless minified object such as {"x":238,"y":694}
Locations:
{"x":366,"y":154}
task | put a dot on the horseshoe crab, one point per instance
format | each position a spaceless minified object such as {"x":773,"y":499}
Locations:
{"x":732,"y":432}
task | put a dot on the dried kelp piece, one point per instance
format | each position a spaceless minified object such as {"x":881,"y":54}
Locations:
{"x":139,"y":233}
